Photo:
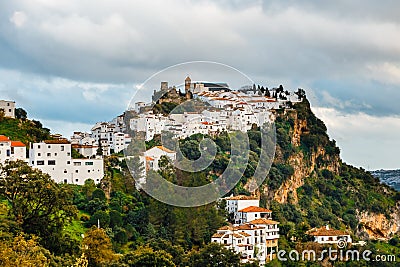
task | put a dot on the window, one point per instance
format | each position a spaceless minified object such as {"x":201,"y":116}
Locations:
{"x":39,"y":154}
{"x":38,"y":146}
{"x":48,"y":154}
{"x":68,"y":162}
{"x":89,"y":163}
{"x":76,"y":171}
{"x":65,"y":171}
{"x":77,"y":164}
{"x":88,"y":171}
{"x":48,"y":146}
{"x":51,"y":162}
{"x":62,"y":148}
{"x":40,"y":162}
{"x":65,"y":181}
{"x":68,"y":154}
{"x":55,"y":154}
{"x":76,"y":180}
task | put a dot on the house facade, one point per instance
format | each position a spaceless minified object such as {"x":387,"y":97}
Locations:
{"x":11,"y":150}
{"x":54,"y":158}
{"x":327,"y":235}
{"x":8,"y":107}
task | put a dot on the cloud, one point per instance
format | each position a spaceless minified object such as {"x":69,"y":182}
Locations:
{"x":18,"y":18}
{"x":365,"y":140}
{"x":79,"y":60}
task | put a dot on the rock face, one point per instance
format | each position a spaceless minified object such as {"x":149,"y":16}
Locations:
{"x":377,"y":226}
{"x":303,"y":165}
{"x":308,"y":163}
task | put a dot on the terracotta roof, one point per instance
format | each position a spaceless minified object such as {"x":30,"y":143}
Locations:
{"x":59,"y":141}
{"x":165,"y":149}
{"x":4,"y":138}
{"x":254,"y":209}
{"x":149,"y":158}
{"x":263,"y":221}
{"x":217,"y":235}
{"x":242,"y":197}
{"x":226,"y":227}
{"x":17,"y":144}
{"x":247,"y":227}
{"x":245,"y":234}
{"x":323,"y":231}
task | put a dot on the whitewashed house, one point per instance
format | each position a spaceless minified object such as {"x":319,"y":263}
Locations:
{"x":11,"y":150}
{"x":236,"y":203}
{"x":256,"y":240}
{"x":252,"y":213}
{"x":327,"y":235}
{"x":153,"y":156}
{"x":54,"y":158}
{"x":8,"y":107}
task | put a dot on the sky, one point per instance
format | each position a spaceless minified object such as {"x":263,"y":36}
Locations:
{"x":71,"y":63}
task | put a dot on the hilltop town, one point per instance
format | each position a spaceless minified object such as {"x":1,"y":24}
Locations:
{"x":309,"y":199}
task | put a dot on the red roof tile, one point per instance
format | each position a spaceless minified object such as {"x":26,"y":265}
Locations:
{"x":254,"y":209}
{"x":17,"y":144}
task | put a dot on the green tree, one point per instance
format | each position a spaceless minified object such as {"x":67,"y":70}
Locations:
{"x":147,"y":257}
{"x":23,"y":253}
{"x":38,"y":204}
{"x":98,"y":247}
{"x":214,"y":254}
{"x":20,"y":113}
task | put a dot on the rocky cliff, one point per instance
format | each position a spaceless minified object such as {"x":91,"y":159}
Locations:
{"x":308,"y":181}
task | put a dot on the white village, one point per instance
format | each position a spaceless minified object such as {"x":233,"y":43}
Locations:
{"x":252,"y":233}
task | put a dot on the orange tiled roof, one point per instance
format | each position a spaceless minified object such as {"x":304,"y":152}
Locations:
{"x":4,"y":138}
{"x":245,"y":234}
{"x":149,"y":158}
{"x":17,"y":144}
{"x":325,"y":232}
{"x":247,"y":227}
{"x":263,"y":221}
{"x":217,"y":235}
{"x":165,"y":149}
{"x":254,"y":209}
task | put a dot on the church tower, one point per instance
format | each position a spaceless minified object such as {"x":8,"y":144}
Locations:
{"x":188,"y":83}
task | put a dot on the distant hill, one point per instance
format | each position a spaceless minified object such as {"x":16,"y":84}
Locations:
{"x":389,"y":177}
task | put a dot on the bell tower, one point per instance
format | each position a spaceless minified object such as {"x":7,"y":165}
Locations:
{"x":188,"y":82}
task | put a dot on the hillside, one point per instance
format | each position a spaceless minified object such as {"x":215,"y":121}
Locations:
{"x":23,"y":130}
{"x":389,"y":177}
{"x":320,"y":188}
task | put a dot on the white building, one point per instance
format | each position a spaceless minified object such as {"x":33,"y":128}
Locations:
{"x":11,"y":150}
{"x":254,"y":240}
{"x":110,"y":137}
{"x":236,"y":203}
{"x":8,"y":107}
{"x":54,"y":158}
{"x":252,"y":213}
{"x":153,"y":156}
{"x":327,"y":235}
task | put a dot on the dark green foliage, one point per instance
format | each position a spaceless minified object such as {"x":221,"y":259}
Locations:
{"x":214,"y":255}
{"x":20,"y":113}
{"x":38,"y":204}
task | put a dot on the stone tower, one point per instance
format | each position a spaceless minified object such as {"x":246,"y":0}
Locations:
{"x":188,"y":83}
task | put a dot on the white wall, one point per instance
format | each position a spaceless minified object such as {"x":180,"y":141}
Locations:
{"x":8,"y":107}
